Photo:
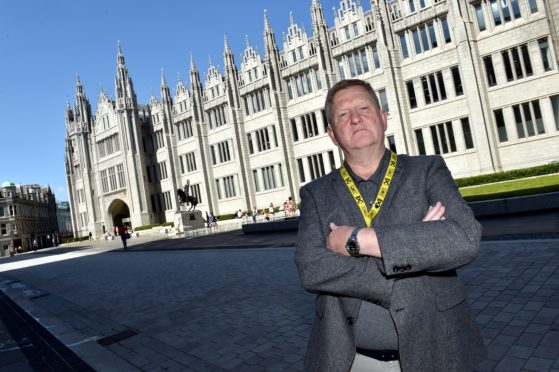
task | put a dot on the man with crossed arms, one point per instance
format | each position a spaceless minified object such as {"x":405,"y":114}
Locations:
{"x":379,"y":241}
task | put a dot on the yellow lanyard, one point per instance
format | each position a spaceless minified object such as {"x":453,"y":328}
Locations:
{"x":370,"y":215}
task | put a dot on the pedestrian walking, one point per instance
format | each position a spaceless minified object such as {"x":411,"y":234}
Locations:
{"x":124,"y":235}
{"x":213,"y":220}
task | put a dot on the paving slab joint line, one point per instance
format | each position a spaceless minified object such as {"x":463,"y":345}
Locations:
{"x":42,"y":350}
{"x":85,"y":346}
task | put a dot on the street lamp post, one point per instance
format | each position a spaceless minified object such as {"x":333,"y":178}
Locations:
{"x":13,"y":231}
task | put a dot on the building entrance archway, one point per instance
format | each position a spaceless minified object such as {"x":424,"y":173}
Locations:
{"x":119,"y":212}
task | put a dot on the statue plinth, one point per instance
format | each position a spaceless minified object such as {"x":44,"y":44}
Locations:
{"x":188,"y":220}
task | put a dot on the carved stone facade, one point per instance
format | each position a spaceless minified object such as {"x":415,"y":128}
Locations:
{"x":27,"y":214}
{"x":474,"y":81}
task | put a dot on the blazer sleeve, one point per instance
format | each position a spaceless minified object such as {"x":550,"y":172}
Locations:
{"x":322,"y":270}
{"x":433,"y":246}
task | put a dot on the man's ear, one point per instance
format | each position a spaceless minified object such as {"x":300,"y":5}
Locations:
{"x":384,"y":117}
{"x":332,"y":135}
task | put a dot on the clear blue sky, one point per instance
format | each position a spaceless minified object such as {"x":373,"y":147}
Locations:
{"x":44,"y":45}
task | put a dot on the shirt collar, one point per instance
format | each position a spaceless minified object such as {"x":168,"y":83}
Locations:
{"x":376,"y":177}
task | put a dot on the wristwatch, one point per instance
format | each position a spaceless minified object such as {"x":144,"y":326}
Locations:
{"x":352,"y":245}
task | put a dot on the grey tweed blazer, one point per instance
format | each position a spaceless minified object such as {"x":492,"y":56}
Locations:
{"x":415,"y":280}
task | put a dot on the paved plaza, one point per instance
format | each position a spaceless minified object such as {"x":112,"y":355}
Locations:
{"x":233,"y":302}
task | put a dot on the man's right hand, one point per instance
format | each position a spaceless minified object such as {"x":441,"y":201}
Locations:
{"x":435,"y":213}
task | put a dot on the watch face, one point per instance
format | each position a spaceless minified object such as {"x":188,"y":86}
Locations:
{"x":352,"y":247}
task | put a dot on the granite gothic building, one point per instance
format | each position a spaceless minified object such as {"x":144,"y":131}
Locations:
{"x":475,"y":81}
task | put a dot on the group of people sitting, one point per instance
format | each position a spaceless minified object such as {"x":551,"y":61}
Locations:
{"x":289,"y":209}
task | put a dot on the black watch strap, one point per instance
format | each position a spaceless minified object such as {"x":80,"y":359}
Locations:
{"x":352,"y":245}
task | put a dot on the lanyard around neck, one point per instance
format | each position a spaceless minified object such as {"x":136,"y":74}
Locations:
{"x":381,"y":195}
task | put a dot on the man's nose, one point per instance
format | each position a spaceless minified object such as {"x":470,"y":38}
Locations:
{"x":355,"y":117}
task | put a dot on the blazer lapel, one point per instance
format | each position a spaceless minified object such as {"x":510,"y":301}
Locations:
{"x":394,"y":185}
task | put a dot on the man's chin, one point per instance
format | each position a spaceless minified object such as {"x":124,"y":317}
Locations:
{"x":365,"y":144}
{"x":363,"y":138}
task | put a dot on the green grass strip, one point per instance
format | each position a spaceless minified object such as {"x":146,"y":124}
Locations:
{"x":508,"y":189}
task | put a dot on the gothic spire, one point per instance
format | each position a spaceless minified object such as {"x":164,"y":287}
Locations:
{"x":163,"y":82}
{"x":267,"y":27}
{"x":226,"y":44}
{"x":82,"y":107}
{"x":79,"y":87}
{"x":196,"y":87}
{"x":192,"y":63}
{"x":164,"y":90}
{"x":124,"y":89}
{"x":120,"y":56}
{"x":194,"y":74}
{"x":271,"y":53}
{"x":229,"y":67}
{"x":321,"y":40}
{"x":69,"y":113}
{"x":270,"y":46}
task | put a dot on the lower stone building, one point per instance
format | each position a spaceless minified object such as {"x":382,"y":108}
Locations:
{"x":27,"y":215}
{"x":475,"y":81}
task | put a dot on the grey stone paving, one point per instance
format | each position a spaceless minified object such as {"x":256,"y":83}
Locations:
{"x":12,"y":358}
{"x":514,"y":291}
{"x":244,"y":310}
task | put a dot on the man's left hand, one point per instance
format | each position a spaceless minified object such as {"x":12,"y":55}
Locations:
{"x":336,"y":240}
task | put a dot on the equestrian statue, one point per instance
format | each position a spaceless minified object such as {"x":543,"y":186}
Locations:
{"x":184,"y":197}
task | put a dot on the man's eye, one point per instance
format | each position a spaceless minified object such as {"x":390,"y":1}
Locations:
{"x":342,"y":115}
{"x":364,"y":108}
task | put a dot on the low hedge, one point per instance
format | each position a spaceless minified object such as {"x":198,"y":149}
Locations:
{"x":147,"y":227}
{"x":509,"y":175}
{"x":224,"y":217}
{"x":71,"y":239}
{"x":66,"y":239}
